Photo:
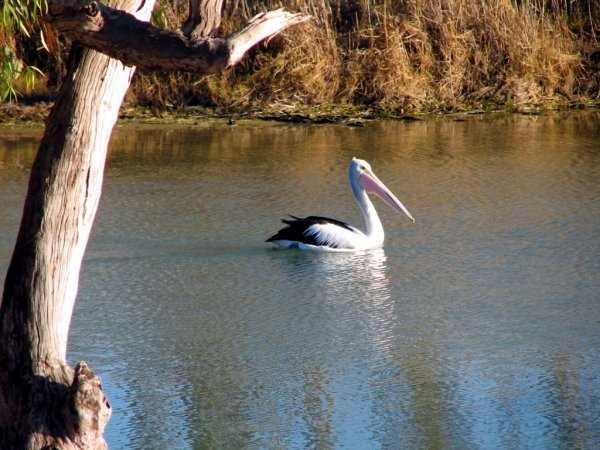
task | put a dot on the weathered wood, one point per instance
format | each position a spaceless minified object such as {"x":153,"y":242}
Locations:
{"x":42,"y":278}
{"x":137,"y":43}
{"x":204,"y":18}
{"x":86,"y":410}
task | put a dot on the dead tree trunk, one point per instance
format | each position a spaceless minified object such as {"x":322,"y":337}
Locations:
{"x":42,"y":279}
{"x":44,"y":403}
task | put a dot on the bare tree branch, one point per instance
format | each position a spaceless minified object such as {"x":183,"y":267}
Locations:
{"x":136,"y":43}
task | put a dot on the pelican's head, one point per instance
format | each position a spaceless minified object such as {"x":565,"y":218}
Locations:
{"x":357,"y":168}
{"x":362,"y":177}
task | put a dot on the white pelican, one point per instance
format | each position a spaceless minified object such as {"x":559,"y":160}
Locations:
{"x":321,"y":233}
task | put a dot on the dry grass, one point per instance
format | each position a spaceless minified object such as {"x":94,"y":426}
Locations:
{"x":406,"y":56}
{"x":400,"y":56}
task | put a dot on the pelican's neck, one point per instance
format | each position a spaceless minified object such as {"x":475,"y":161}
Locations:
{"x":374,"y":228}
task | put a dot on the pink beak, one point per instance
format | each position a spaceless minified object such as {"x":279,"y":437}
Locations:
{"x":370,"y":183}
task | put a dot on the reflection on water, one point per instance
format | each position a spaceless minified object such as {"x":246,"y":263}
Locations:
{"x":476,"y":327}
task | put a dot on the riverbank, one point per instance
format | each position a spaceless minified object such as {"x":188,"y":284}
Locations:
{"x":351,"y":115}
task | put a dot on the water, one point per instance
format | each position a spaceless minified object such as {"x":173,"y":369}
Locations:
{"x":477,"y":327}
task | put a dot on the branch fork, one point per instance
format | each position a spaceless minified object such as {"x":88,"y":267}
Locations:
{"x":134,"y":42}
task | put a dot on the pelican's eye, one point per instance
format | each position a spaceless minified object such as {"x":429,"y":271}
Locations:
{"x":363,"y":168}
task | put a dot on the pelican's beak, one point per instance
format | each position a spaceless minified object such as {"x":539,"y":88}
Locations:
{"x":370,"y":183}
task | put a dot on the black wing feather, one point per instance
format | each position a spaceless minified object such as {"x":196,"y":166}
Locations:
{"x":296,"y":229}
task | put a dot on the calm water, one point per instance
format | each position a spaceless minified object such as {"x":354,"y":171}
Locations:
{"x":477,"y":327}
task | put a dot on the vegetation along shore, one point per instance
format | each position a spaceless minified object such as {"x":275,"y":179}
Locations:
{"x":381,"y":58}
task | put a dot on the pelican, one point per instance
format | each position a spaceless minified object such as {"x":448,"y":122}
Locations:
{"x":321,"y":233}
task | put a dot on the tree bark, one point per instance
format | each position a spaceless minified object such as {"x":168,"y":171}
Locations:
{"x":44,"y":403}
